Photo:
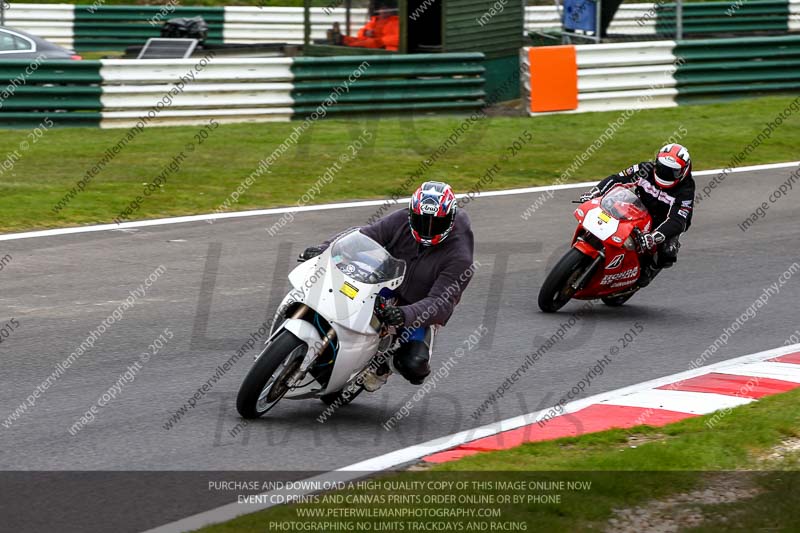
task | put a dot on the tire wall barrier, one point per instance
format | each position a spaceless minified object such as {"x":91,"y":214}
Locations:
{"x":106,"y":28}
{"x":120,"y":92}
{"x":668,"y":73}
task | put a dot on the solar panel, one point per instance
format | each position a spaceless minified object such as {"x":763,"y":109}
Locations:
{"x":162,"y":48}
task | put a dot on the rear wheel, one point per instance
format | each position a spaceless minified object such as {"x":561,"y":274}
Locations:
{"x":617,"y":301}
{"x":266,"y":383}
{"x":557,"y":288}
{"x":342,"y":397}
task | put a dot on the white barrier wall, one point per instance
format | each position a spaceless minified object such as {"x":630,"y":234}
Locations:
{"x":626,"y":76}
{"x":794,"y":15}
{"x":53,"y":22}
{"x":230,"y":90}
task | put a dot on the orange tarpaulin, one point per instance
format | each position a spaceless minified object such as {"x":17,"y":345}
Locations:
{"x":379,"y":32}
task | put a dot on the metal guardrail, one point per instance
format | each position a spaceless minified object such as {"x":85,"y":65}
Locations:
{"x":119,"y":92}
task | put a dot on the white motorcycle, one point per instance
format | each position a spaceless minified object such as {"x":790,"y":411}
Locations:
{"x":326,"y":336}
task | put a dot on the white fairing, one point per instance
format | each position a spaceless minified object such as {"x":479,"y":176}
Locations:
{"x":598,"y":226}
{"x":345,"y":301}
{"x":306,"y":333}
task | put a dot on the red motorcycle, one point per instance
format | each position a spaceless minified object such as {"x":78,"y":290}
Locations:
{"x":604,"y":261}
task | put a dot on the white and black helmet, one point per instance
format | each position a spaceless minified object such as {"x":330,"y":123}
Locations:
{"x":673,"y":163}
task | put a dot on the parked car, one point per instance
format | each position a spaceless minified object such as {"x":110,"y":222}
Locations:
{"x":18,"y":44}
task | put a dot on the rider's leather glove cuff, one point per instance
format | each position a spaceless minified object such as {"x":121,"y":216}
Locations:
{"x":593,"y":193}
{"x":649,"y":241}
{"x":391,"y":316}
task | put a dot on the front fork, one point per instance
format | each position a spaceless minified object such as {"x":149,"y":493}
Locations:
{"x":579,"y":283}
{"x":598,"y":255}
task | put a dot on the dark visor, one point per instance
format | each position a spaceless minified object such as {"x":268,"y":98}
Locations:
{"x":666,"y":173}
{"x":429,"y":226}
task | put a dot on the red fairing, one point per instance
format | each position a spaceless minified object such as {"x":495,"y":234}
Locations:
{"x":586,"y":248}
{"x":619,"y":272}
{"x":585,"y":207}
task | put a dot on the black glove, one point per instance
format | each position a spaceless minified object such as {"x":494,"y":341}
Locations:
{"x":593,"y":193}
{"x":391,"y":315}
{"x":648,"y":241}
{"x":310,"y":252}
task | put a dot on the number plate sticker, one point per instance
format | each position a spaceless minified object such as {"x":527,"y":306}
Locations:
{"x":604,"y":217}
{"x":351,"y":291}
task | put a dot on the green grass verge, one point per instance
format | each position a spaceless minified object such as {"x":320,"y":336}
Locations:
{"x":627,"y":468}
{"x":46,"y":171}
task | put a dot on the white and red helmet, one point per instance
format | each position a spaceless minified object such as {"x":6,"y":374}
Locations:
{"x":432,"y":212}
{"x":673,"y":163}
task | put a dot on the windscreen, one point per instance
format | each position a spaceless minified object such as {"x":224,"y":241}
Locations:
{"x":623,"y":204}
{"x":364,"y":260}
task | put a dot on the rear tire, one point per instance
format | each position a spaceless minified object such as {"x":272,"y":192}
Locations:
{"x":617,"y":301}
{"x":556,"y":290}
{"x":279,"y":360}
{"x":341,"y":397}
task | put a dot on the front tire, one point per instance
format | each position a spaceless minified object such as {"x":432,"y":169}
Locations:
{"x":556,"y":290}
{"x":265,"y":383}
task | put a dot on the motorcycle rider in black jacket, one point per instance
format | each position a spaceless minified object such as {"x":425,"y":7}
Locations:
{"x":666,"y":188}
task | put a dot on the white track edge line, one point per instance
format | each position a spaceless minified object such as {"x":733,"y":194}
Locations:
{"x":418,"y":451}
{"x":325,"y":207}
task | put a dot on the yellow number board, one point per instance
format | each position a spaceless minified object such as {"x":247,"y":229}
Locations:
{"x":351,"y":291}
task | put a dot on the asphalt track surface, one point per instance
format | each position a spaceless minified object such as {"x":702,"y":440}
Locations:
{"x":223,"y":279}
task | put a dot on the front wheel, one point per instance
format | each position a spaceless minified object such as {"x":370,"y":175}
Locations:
{"x":557,"y":288}
{"x":266,"y":383}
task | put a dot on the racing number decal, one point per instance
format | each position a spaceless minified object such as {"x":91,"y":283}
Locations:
{"x":351,"y":291}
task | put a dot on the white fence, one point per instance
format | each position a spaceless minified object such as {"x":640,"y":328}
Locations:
{"x":53,"y":22}
{"x":794,"y":15}
{"x":626,"y":75}
{"x":229,"y":90}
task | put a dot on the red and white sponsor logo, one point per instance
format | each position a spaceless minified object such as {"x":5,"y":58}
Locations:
{"x":616,"y":262}
{"x":627,"y":274}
